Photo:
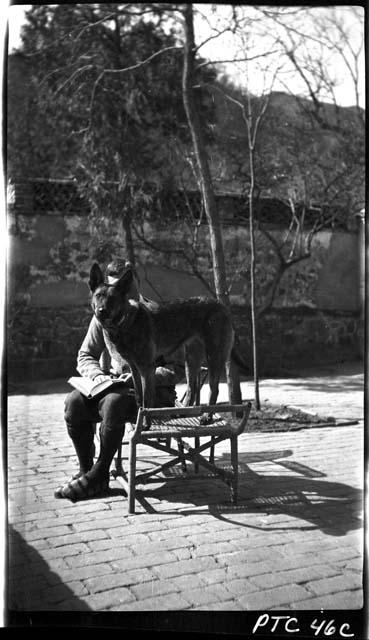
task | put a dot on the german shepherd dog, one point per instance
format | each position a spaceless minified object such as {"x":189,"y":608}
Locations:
{"x":139,"y":334}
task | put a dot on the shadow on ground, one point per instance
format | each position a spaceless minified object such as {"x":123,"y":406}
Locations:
{"x":30,"y":576}
{"x":38,"y":387}
{"x":333,"y":507}
{"x":345,"y":376}
{"x":341,"y":384}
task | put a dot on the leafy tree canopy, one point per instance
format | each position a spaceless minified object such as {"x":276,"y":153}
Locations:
{"x":85,"y":113}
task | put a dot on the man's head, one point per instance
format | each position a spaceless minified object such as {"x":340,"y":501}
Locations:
{"x":117,"y":268}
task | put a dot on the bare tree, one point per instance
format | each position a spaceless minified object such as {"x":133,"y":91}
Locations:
{"x":207,"y":191}
{"x":309,"y":54}
{"x":252,"y":122}
{"x":253,"y":112}
{"x":324,"y":47}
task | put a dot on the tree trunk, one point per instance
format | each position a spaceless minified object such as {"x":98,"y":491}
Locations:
{"x":253,"y":261}
{"x":207,"y":191}
{"x":253,"y":295}
{"x":127,"y":236}
{"x":202,"y":160}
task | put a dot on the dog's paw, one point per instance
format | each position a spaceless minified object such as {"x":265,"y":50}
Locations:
{"x":206,"y":418}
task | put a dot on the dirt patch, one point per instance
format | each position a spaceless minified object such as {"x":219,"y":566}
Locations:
{"x":285,"y":418}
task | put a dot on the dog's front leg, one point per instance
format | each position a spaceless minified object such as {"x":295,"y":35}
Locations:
{"x":148,"y":389}
{"x":214,"y":375}
{"x":137,"y":384}
{"x":194,"y":353}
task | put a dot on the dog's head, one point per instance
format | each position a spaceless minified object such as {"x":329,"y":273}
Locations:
{"x":112,"y":304}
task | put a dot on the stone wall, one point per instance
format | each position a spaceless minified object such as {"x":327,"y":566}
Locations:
{"x":300,"y":337}
{"x":51,"y":255}
{"x":44,"y":342}
{"x":316,"y":311}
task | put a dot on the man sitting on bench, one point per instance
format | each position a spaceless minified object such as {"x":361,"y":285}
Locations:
{"x":112,"y":408}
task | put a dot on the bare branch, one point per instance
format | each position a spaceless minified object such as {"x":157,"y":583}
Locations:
{"x":73,"y":76}
{"x":142,"y":63}
{"x":125,"y":69}
{"x":180,"y":252}
{"x":92,"y":25}
{"x":275,"y":244}
{"x":272,"y":291}
{"x":210,"y":38}
{"x":290,"y":28}
{"x":235,"y":273}
{"x":249,"y":59}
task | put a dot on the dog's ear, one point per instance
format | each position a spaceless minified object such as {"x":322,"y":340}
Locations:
{"x":124,"y":283}
{"x":96,"y":277}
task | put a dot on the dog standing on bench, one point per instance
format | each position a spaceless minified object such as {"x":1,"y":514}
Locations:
{"x":139,"y":334}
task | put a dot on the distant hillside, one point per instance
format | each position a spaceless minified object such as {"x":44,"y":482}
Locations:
{"x":316,"y":151}
{"x":290,"y":107}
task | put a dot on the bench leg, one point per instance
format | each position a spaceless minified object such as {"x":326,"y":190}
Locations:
{"x":131,"y":477}
{"x":181,"y":450}
{"x":234,"y":463}
{"x":212,"y":450}
{"x":197,"y":444}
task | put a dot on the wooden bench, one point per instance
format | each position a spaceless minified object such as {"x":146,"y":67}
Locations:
{"x":169,"y":427}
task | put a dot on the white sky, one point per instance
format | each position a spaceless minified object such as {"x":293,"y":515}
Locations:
{"x":226,"y":46}
{"x":15,"y":21}
{"x":261,"y":39}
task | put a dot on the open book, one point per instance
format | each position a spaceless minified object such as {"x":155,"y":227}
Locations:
{"x":90,"y":388}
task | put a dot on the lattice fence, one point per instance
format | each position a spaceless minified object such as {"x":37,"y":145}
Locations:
{"x":58,"y":197}
{"x":63,"y":197}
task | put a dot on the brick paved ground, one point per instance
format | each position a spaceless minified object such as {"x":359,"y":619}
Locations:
{"x":295,"y":541}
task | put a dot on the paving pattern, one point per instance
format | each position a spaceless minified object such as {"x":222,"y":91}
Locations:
{"x":294,"y":541}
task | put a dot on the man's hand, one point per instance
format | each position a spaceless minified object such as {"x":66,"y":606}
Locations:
{"x":125,"y":377}
{"x":102,"y":378}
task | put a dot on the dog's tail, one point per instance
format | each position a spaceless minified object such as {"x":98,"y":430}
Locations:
{"x":240,"y":362}
{"x":237,"y":358}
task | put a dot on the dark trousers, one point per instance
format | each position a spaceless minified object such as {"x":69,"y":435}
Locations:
{"x":112,"y":409}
